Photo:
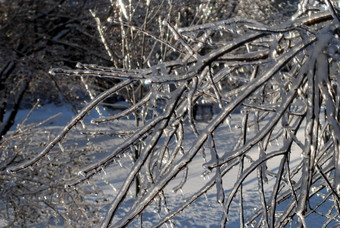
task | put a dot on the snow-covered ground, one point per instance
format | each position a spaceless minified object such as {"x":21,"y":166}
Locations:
{"x":204,"y":212}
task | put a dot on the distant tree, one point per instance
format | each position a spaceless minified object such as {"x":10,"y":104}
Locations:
{"x":35,"y":35}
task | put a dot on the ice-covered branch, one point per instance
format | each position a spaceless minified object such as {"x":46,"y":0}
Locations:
{"x":69,"y":126}
{"x":267,"y":83}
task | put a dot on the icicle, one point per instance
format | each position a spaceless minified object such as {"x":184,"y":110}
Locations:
{"x":131,"y":158}
{"x":131,"y":194}
{"x":220,"y":191}
{"x":227,"y":122}
{"x":120,"y":164}
{"x":61,"y":147}
{"x":165,"y":159}
{"x":123,"y":9}
{"x":206,"y":196}
{"x":81,"y":173}
{"x":113,"y":187}
{"x":181,"y":190}
{"x":103,"y":170}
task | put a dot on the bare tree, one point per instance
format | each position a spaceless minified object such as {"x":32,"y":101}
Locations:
{"x":282,"y":77}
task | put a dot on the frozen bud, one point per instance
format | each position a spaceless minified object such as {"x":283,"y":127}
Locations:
{"x":55,"y":71}
{"x":111,"y":20}
{"x":79,"y":65}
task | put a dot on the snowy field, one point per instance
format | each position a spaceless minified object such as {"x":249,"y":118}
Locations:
{"x":205,"y":211}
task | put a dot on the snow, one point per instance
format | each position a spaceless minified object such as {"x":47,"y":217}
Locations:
{"x":204,"y":212}
{"x":44,"y":112}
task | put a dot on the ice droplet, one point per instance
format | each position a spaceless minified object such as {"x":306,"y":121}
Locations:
{"x":205,"y":175}
{"x":110,"y":19}
{"x":338,"y":188}
{"x":147,"y":81}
